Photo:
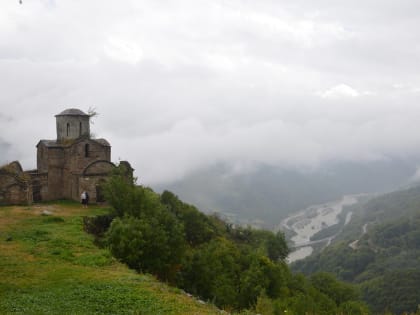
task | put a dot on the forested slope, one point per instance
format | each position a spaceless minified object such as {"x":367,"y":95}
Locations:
{"x":239,"y":269}
{"x":379,"y":251}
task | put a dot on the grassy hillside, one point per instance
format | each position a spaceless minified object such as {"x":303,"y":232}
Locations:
{"x":49,"y":265}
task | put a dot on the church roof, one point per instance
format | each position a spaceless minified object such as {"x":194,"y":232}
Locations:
{"x":55,"y":143}
{"x":72,"y":112}
{"x":49,"y":143}
{"x":102,"y":142}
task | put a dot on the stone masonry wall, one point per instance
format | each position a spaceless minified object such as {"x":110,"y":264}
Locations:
{"x":15,"y":185}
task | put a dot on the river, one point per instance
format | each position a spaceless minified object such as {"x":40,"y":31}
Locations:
{"x":306,"y":223}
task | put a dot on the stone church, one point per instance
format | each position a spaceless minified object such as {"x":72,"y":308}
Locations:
{"x":72,"y":163}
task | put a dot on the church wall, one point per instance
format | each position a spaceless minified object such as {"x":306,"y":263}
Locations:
{"x":75,"y":191}
{"x":55,"y":173}
{"x":55,"y":183}
{"x":77,"y":158}
{"x":81,"y":154}
{"x":66,"y":182}
{"x":93,"y":176}
{"x":42,"y":158}
{"x":91,"y":185}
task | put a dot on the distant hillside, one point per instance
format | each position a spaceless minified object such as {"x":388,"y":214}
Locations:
{"x":269,"y":193}
{"x":49,"y":265}
{"x":380,"y":251}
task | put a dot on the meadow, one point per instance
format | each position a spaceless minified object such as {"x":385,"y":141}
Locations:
{"x":50,"y":265}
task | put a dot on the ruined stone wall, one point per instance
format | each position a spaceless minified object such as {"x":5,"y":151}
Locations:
{"x":15,"y":185}
{"x":92,"y":184}
{"x":92,"y":178}
{"x":39,"y":183}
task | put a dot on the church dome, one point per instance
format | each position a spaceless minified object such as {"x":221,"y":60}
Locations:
{"x":72,"y":112}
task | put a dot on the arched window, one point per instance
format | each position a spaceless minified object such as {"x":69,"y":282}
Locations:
{"x":80,"y":129}
{"x":87,"y":150}
{"x":68,"y":129}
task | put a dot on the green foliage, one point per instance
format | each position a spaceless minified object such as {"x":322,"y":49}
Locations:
{"x":354,"y":308}
{"x":198,"y":227}
{"x":339,"y":259}
{"x":384,"y":261}
{"x":265,"y":305}
{"x":152,"y":244}
{"x":123,"y":196}
{"x":97,"y":225}
{"x":234,"y":267}
{"x":260,"y":274}
{"x":396,"y":291}
{"x":339,"y":292}
{"x":266,"y":242}
{"x":220,"y":272}
{"x":277,"y":247}
{"x":212,"y":271}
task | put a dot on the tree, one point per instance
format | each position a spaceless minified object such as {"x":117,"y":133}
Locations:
{"x":198,"y":227}
{"x":122,"y":194}
{"x":152,"y":244}
{"x":339,"y":292}
{"x":261,"y":275}
{"x":212,"y":271}
{"x":277,"y":248}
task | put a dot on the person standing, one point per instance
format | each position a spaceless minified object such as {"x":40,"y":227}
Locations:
{"x":83,"y":197}
{"x":87,"y":198}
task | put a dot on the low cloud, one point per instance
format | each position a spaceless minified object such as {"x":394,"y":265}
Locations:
{"x":183,"y":86}
{"x":6,"y":155}
{"x":339,"y":91}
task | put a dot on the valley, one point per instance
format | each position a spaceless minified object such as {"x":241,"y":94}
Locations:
{"x":307,"y":223}
{"x":378,"y":250}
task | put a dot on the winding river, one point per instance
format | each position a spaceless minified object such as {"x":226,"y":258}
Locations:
{"x":306,"y":223}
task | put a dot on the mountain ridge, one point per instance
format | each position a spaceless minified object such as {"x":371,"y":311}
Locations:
{"x":268,"y":193}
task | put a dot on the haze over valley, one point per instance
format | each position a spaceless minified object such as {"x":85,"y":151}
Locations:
{"x":275,"y":148}
{"x":263,"y":195}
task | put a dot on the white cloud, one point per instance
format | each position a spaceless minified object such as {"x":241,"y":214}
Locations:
{"x":123,"y":50}
{"x":416,"y":176}
{"x":183,"y":85}
{"x":339,"y":91}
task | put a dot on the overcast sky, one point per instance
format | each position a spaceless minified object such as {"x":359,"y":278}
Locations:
{"x":181,"y":85}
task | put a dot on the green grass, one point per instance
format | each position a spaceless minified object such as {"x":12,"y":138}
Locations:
{"x":49,"y":265}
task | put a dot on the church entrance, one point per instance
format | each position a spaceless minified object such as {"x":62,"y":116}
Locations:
{"x":99,"y":191}
{"x":36,"y":191}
